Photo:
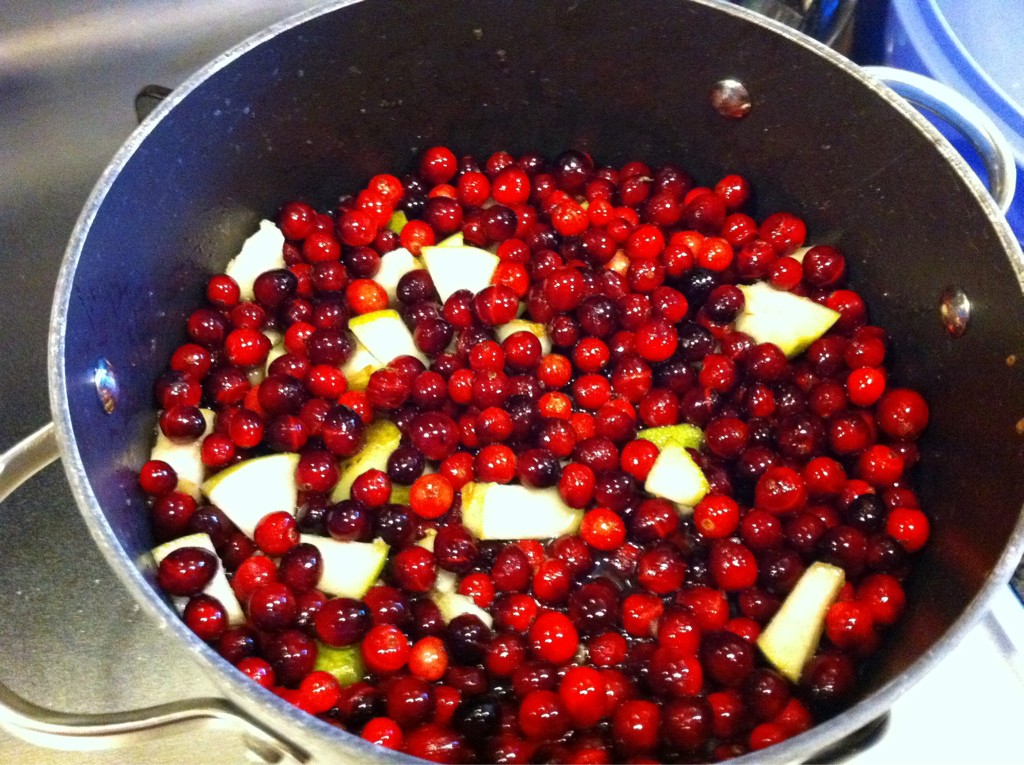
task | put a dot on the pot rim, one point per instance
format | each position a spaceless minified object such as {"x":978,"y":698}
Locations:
{"x":278,"y":714}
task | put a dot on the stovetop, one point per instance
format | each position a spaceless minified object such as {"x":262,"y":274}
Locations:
{"x":73,"y":638}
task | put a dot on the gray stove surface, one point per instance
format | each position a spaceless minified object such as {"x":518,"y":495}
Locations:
{"x":72,"y":637}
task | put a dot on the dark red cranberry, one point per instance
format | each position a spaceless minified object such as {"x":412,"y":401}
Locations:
{"x":594,"y":608}
{"x":348,"y":520}
{"x":539,"y":468}
{"x":828,"y":681}
{"x":695,"y":342}
{"x":273,"y":288}
{"x":800,"y":436}
{"x":210,"y":520}
{"x":467,"y":638}
{"x":478,"y":718}
{"x":301,"y":567}
{"x":388,"y":606}
{"x":177,"y":388}
{"x":727,"y":658}
{"x":186,"y":570}
{"x":208,"y":327}
{"x":292,"y":654}
{"x":237,"y":643}
{"x":846,"y":547}
{"x":342,"y":431}
{"x":766,"y":693}
{"x":279,"y":394}
{"x":272,"y":607}
{"x":687,"y":723}
{"x":182,"y":423}
{"x":342,"y":621}
{"x":395,"y":525}
{"x":885,"y":554}
{"x":597,"y":316}
{"x":779,"y":569}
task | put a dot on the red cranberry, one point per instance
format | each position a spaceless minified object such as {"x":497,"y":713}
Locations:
{"x":186,"y":570}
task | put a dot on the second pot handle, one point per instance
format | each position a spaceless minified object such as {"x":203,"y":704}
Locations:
{"x":82,"y":732}
{"x":955,"y":109}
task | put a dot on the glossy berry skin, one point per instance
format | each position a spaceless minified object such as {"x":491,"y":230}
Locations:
{"x":186,"y":571}
{"x":636,"y":726}
{"x":206,"y":617}
{"x":542,"y":717}
{"x":385,"y":648}
{"x":902,"y":413}
{"x":582,"y":691}
{"x":632,"y":638}
{"x":554,"y":638}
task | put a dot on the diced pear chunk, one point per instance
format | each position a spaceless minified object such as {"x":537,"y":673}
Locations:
{"x":263,"y":251}
{"x":790,"y":321}
{"x":511,"y":511}
{"x":254,"y":488}
{"x":397,"y":221}
{"x":452,"y":604}
{"x":350,"y":569}
{"x":360,"y":365}
{"x":455,"y":240}
{"x":684,"y":434}
{"x":459,"y":267}
{"x":384,"y":334}
{"x":345,"y":663}
{"x":676,"y":477}
{"x":791,"y":637}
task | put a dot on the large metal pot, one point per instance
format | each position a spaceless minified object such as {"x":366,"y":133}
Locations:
{"x":315,"y":105}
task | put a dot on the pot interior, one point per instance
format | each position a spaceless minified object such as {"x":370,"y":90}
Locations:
{"x":314,"y":110}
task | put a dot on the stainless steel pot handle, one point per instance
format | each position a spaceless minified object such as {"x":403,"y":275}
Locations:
{"x":81,"y":732}
{"x":976,"y":126}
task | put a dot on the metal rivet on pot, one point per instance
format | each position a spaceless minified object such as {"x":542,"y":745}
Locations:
{"x":731,"y":99}
{"x":106,"y":385}
{"x":955,"y":310}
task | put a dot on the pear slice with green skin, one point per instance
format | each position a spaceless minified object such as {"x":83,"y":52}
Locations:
{"x":511,"y":511}
{"x":454,"y":268}
{"x":263,"y":251}
{"x":186,"y":458}
{"x":397,"y":221}
{"x":676,"y":477}
{"x":350,"y":569}
{"x":218,"y":587}
{"x":686,"y":435}
{"x":395,"y":264}
{"x":522,"y":325}
{"x":452,"y":604}
{"x":455,"y":240}
{"x":382,"y":438}
{"x":254,"y":488}
{"x":789,"y":321}
{"x":345,"y":663}
{"x":792,"y":636}
{"x":384,"y":334}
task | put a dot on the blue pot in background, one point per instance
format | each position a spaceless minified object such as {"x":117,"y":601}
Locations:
{"x":972,"y":47}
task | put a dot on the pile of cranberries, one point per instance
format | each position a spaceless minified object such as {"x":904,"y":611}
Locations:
{"x":634,"y":640}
